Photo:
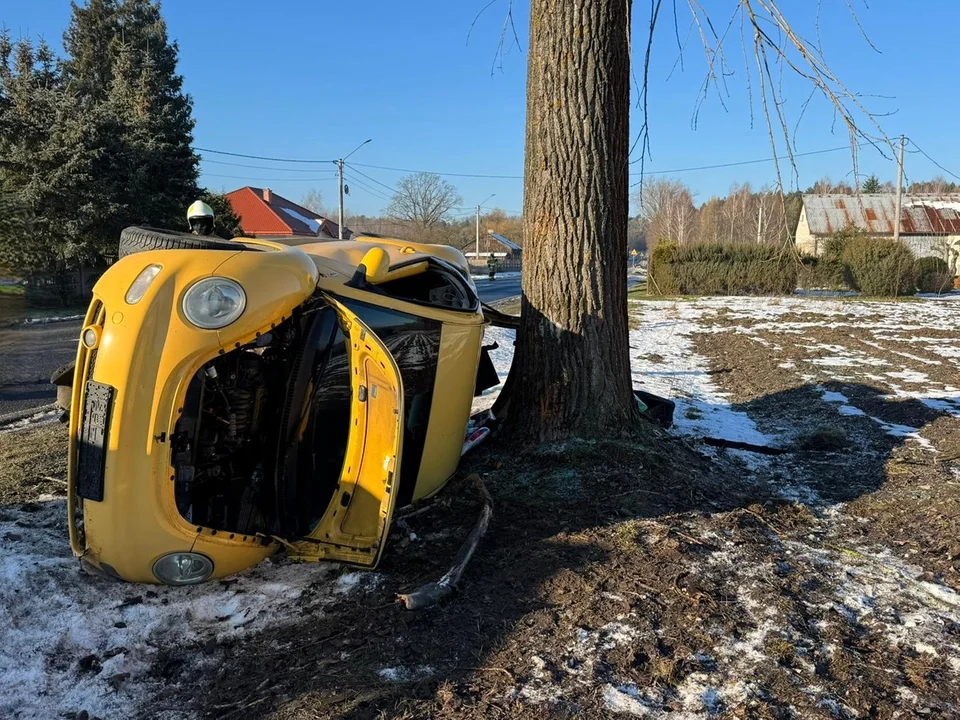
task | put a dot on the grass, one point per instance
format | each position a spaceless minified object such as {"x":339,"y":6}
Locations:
{"x":12,"y":290}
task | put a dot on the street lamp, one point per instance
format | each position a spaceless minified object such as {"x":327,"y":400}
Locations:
{"x":478,"y":223}
{"x":340,"y":175}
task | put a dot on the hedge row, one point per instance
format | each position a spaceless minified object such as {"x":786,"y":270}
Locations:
{"x":721,"y":269}
{"x":874,"y":266}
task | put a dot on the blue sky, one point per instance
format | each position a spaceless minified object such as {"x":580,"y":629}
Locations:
{"x":267,"y":79}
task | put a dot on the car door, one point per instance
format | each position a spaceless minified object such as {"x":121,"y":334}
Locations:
{"x":356,"y":522}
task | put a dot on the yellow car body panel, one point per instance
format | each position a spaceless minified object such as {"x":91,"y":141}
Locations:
{"x":149,"y":353}
{"x":450,"y":410}
{"x":354,"y":527}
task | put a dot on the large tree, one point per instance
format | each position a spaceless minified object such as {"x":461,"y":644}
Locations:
{"x":571,"y":374}
{"x":45,"y":166}
{"x":572,"y":351}
{"x":424,"y":200}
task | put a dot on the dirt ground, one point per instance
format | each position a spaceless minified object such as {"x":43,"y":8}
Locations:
{"x":658,"y":577}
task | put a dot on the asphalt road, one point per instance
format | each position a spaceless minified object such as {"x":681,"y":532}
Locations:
{"x":28,"y":356}
{"x":498,"y":289}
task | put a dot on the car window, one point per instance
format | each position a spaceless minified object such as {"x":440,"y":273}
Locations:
{"x":438,"y":285}
{"x":414,"y":343}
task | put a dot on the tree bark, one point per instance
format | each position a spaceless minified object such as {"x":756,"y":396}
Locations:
{"x":572,"y":366}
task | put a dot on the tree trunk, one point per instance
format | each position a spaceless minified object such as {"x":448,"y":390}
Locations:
{"x":572,"y":366}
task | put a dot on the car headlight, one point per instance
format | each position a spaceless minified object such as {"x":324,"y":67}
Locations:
{"x":140,"y":286}
{"x":214,"y":303}
{"x":184,"y":568}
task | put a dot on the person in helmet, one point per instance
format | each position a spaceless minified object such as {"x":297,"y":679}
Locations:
{"x":200,"y":218}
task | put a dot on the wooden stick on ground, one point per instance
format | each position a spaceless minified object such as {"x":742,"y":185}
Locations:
{"x":433,"y":593}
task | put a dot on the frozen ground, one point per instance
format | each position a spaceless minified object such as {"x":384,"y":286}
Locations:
{"x":699,"y":614}
{"x":73,"y":641}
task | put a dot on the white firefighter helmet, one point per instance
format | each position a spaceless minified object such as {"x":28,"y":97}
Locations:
{"x":200,"y":218}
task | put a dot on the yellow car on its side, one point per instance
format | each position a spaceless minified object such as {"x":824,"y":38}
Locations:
{"x":234,"y":397}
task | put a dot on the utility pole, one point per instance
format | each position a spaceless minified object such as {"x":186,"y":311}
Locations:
{"x":478,"y":224}
{"x":340,"y":214}
{"x":339,"y":164}
{"x":896,"y":222}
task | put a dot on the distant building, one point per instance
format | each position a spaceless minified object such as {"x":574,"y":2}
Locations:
{"x":264,"y":214}
{"x":929,"y":224}
{"x":495,"y":243}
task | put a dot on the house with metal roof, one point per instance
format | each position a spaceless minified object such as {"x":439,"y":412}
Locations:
{"x":929,"y":224}
{"x":265,"y":214}
{"x":493,"y":243}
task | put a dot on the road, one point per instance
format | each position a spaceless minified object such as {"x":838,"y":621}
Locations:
{"x":30,"y":353}
{"x":500,"y":288}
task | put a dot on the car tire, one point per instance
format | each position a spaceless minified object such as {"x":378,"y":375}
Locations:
{"x":141,"y":239}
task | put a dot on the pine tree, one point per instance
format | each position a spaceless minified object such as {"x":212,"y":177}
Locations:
{"x":89,"y":42}
{"x":122,"y":68}
{"x":872,"y":185}
{"x":34,"y":180}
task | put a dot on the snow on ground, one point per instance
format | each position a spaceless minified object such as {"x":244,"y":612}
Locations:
{"x":662,"y":361}
{"x":93,"y":644}
{"x":72,"y":640}
{"x":486,"y":276}
{"x":867,"y":589}
{"x":37,"y":416}
{"x":671,"y":368}
{"x":502,"y":357}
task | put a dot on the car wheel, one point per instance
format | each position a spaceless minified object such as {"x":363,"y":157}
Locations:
{"x":140,"y":239}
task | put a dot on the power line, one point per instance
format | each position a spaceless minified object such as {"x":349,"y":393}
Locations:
{"x":448,"y":174}
{"x":369,"y":188}
{"x":260,"y":167}
{"x":951,"y":174}
{"x":275,"y":179}
{"x":716,"y":166}
{"x":354,"y":169}
{"x":258,"y":157}
{"x":740,"y":163}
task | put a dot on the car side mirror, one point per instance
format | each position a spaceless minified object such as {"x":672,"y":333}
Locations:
{"x":372,"y":269}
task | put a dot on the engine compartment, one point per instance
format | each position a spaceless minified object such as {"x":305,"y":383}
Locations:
{"x":221,"y":445}
{"x":261,"y":440}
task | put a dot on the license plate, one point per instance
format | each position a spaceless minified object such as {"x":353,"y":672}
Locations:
{"x":94,"y":428}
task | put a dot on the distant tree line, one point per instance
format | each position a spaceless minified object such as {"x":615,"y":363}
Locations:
{"x":667,"y":211}
{"x":96,"y":140}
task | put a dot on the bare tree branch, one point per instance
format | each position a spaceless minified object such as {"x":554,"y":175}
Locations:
{"x":423,"y":199}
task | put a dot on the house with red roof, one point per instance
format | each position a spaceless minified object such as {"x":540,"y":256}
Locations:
{"x":264,"y":214}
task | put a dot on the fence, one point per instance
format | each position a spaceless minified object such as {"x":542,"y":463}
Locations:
{"x":507,"y":264}
{"x":62,"y":288}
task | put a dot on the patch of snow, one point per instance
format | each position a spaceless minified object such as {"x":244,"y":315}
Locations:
{"x":405,"y":674}
{"x":502,"y":358}
{"x":664,"y":363}
{"x":52,"y":319}
{"x":44,"y":417}
{"x":509,"y":274}
{"x":847,"y":361}
{"x":312,"y":223}
{"x":624,"y":700}
{"x":117,"y":628}
{"x":910,"y":376}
